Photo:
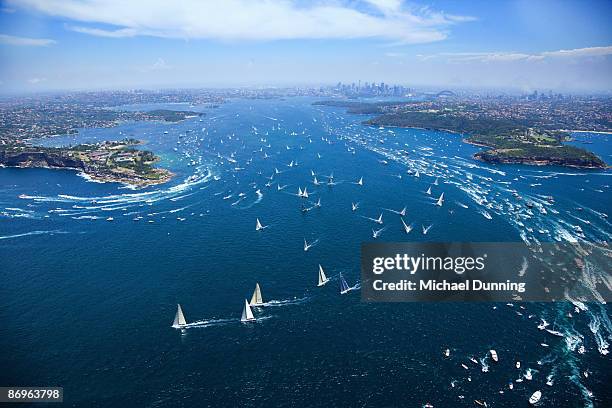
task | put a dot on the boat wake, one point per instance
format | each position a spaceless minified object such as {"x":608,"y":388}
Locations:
{"x":27,"y":234}
{"x":287,"y":302}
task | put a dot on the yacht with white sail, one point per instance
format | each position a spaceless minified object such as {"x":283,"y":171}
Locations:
{"x":407,"y":228}
{"x":247,"y":313}
{"x":344,"y":287}
{"x":179,"y":319}
{"x":258,"y":225}
{"x":257,"y":299}
{"x":322,"y":278}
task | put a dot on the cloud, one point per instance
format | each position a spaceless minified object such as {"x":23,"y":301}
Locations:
{"x":23,"y":41}
{"x":518,"y":56}
{"x":120,"y":33}
{"x":35,"y":81}
{"x":251,"y":19}
{"x":395,"y":54}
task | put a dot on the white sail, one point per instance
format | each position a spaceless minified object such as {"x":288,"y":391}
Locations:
{"x":305,"y":193}
{"x":300,"y":193}
{"x":403,"y":212}
{"x":360,"y":182}
{"x":256,"y":299}
{"x":440,"y":200}
{"x":428,"y":191}
{"x":322,"y":278}
{"x":407,"y":228}
{"x":247,"y":313}
{"x":179,"y":319}
{"x":258,"y":225}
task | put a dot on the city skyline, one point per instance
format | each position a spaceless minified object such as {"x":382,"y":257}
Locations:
{"x":100,"y":44}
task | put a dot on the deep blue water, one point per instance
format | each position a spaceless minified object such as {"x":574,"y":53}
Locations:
{"x":87,"y":303}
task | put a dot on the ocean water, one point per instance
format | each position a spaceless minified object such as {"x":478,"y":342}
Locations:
{"x":87,"y":303}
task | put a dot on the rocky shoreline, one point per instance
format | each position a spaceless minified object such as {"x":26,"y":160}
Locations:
{"x":140,"y":175}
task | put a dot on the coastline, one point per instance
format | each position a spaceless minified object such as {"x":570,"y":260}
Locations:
{"x":105,"y":178}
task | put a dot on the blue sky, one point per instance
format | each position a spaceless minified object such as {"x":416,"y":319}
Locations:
{"x":105,"y":44}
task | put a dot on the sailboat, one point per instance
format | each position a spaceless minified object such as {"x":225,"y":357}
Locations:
{"x":403,"y":212}
{"x":354,"y":206}
{"x":179,"y":319}
{"x":376,"y":233}
{"x":247,"y":313}
{"x":426,"y":229}
{"x":258,"y":225}
{"x":360,"y":182}
{"x":436,"y":182}
{"x":407,"y":228}
{"x":379,"y":219}
{"x":322,"y":278}
{"x":307,"y":246}
{"x":300,"y":192}
{"x":256,"y":299}
{"x":440,"y":200}
{"x":428,"y":191}
{"x":344,"y":287}
{"x":315,"y":181}
{"x":318,"y":203}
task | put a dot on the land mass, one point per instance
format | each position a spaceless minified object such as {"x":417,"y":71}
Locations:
{"x":27,"y":122}
{"x":116,"y":161}
{"x":511,"y":140}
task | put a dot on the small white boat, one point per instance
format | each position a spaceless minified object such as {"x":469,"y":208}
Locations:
{"x":440,"y":200}
{"x":360,"y":182}
{"x":179,"y":319}
{"x":322,"y":278}
{"x":376,"y":233}
{"x":256,"y":299}
{"x":535,"y":397}
{"x":247,"y":313}
{"x":354,"y":206}
{"x":407,"y":228}
{"x":428,"y":191}
{"x":344,"y":287}
{"x":379,"y":220}
{"x":258,"y":225}
{"x":518,"y":364}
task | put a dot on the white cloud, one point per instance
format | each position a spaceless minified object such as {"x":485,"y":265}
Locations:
{"x":518,"y":56}
{"x":252,"y":19}
{"x":581,"y":52}
{"x":24,"y":41}
{"x":120,"y":33}
{"x":35,"y":81}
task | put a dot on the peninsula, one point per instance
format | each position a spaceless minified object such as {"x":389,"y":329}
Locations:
{"x":116,"y":161}
{"x":516,"y":133}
